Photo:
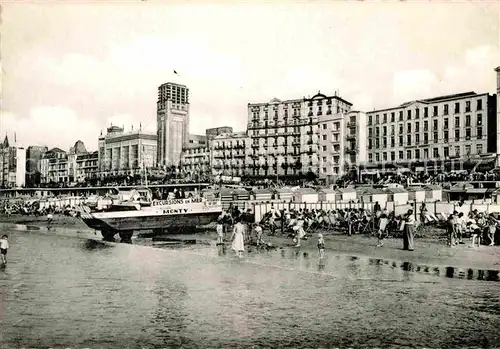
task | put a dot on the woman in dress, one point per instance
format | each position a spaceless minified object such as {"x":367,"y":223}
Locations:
{"x":238,"y":238}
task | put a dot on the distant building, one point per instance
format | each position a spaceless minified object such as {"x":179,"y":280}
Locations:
{"x":230,"y":155}
{"x":217,"y":131}
{"x":12,"y":164}
{"x":33,"y":156}
{"x":126,"y":152}
{"x":460,"y":126}
{"x":196,"y":141}
{"x":77,"y":165}
{"x":284,"y":134}
{"x":172,"y":123}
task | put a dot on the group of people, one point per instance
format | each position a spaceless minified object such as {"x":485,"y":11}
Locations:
{"x":476,"y":224}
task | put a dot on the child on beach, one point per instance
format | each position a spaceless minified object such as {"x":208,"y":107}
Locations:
{"x":220,"y":232}
{"x":321,"y":246}
{"x":4,"y":246}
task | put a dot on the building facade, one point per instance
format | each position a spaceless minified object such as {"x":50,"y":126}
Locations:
{"x":498,"y":119}
{"x":33,"y":156}
{"x":54,"y":166}
{"x":458,"y":126}
{"x":195,"y":162}
{"x":285,"y":134}
{"x":12,"y":165}
{"x":196,"y":141}
{"x":172,"y":123}
{"x":126,"y":152}
{"x":217,"y":131}
{"x":230,"y":155}
{"x":342,"y":143}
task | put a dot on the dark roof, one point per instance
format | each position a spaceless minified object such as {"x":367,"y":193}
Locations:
{"x":56,"y":150}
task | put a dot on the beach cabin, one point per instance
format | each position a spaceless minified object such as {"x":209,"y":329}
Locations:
{"x":433,"y":193}
{"x":326,"y":195}
{"x":284,"y":194}
{"x":495,"y":197}
{"x":458,"y":191}
{"x":346,"y":194}
{"x":308,"y":195}
{"x":241,"y":194}
{"x":264,"y":194}
{"x":372,"y":195}
{"x":398,"y":196}
{"x":416,"y":194}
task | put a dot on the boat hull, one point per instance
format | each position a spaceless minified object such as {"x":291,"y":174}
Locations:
{"x":151,"y":222}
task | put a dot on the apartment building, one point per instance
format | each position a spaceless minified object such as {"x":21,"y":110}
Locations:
{"x":342,"y":143}
{"x":284,"y":135}
{"x":458,"y":126}
{"x":196,"y":161}
{"x":123,"y":152}
{"x":230,"y":154}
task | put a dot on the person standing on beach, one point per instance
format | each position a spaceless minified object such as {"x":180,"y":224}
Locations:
{"x":220,"y":232}
{"x":4,"y":246}
{"x":321,"y":246}
{"x":238,"y":238}
{"x":409,"y":230}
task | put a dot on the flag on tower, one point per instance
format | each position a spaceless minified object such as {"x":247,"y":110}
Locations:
{"x":176,"y":73}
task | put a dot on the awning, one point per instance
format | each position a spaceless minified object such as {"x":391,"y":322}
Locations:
{"x":476,"y":191}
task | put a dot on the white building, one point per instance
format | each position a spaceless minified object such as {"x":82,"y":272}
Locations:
{"x":12,"y":165}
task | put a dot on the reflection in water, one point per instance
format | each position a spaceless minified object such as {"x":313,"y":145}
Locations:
{"x":321,"y":264}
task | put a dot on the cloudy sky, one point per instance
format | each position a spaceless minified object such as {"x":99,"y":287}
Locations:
{"x":69,"y":70}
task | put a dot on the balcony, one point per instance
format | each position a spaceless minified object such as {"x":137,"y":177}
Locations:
{"x":350,"y":136}
{"x":351,"y":150}
{"x":351,"y":124}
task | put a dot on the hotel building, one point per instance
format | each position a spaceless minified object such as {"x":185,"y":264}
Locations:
{"x":342,"y":143}
{"x":126,"y":152}
{"x":230,"y":155}
{"x":172,"y":121}
{"x":12,"y":164}
{"x":285,"y":134}
{"x":195,"y":157}
{"x":459,"y":126}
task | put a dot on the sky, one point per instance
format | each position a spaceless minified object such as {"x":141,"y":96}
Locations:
{"x":71,"y":69}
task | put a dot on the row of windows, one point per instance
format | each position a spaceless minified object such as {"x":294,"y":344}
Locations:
{"x":457,"y":110}
{"x":435,"y":127}
{"x":435,"y":138}
{"x":418,"y":155}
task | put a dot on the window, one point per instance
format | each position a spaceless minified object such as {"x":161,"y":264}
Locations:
{"x":408,"y":139}
{"x":435,"y":153}
{"x":435,"y":111}
{"x":457,"y":121}
{"x":377,"y":143}
{"x":467,"y":106}
{"x":392,"y":129}
{"x":479,"y":119}
{"x":445,"y":124}
{"x":479,"y":104}
{"x":417,"y":139}
{"x":408,"y":127}
{"x":401,"y":155}
{"x":324,"y":137}
{"x":467,"y":120}
{"x":401,"y":115}
{"x":457,"y":108}
{"x":336,"y":137}
{"x":393,"y":156}
{"x":479,"y":149}
{"x":436,"y":137}
{"x":370,"y":132}
{"x":426,"y":138}
{"x":417,"y":153}
{"x":445,"y":136}
{"x":377,"y":131}
{"x":445,"y":112}
{"x":426,"y":112}
{"x":393,"y":116}
{"x":370,"y":158}
{"x":467,"y":149}
{"x":408,"y":115}
{"x":408,"y":155}
{"x":457,"y":150}
{"x":384,"y":156}
{"x":377,"y":157}
{"x":384,"y":131}
{"x":384,"y":142}
{"x":376,"y":119}
{"x":446,"y":152}
{"x":400,"y":141}
{"x":417,"y":113}
{"x":324,"y":148}
{"x":457,"y":135}
{"x":400,"y":128}
{"x":426,"y":153}
{"x":393,"y":142}
{"x":417,"y":126}
{"x":324,"y":126}
{"x":324,"y":158}
{"x":467,"y":133}
{"x":369,"y":119}
{"x":435,"y":125}
{"x":385,"y":118}
{"x":370,"y":143}
{"x":479,"y":133}
{"x":426,"y":125}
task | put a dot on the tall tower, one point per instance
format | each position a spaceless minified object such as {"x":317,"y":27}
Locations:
{"x":172,"y":121}
{"x":498,"y":118}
